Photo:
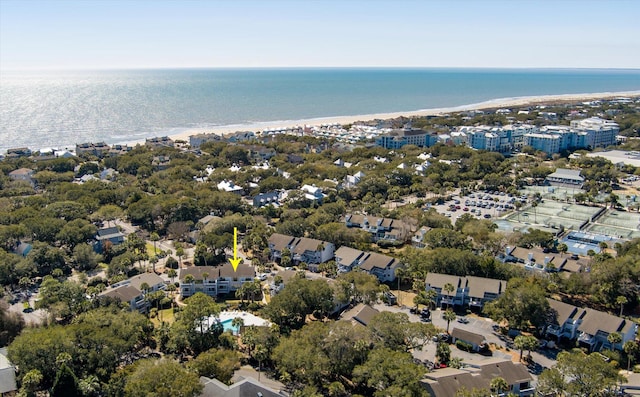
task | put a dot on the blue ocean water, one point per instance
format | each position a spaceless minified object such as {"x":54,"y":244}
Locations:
{"x":57,"y":109}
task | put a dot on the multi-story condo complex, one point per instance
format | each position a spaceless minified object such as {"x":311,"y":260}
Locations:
{"x":587,"y":133}
{"x":214,"y":280}
{"x":599,"y":132}
{"x":407,"y":136}
{"x":548,"y":143}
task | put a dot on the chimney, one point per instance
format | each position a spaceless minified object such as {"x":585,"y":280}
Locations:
{"x":530,"y":256}
{"x":507,"y":250}
{"x":546,"y":260}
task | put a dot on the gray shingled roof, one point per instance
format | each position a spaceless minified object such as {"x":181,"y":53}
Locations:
{"x":595,"y":321}
{"x":365,"y":315}
{"x":478,"y":286}
{"x":280,"y":241}
{"x":308,"y":244}
{"x":150,"y":278}
{"x":348,"y":255}
{"x":125,"y":293}
{"x":375,"y":260}
{"x":467,"y":336}
{"x":214,"y":272}
{"x":561,"y":311}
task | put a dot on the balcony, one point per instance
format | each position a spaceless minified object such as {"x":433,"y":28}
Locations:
{"x":554,"y":330}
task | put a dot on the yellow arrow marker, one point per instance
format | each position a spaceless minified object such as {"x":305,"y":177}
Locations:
{"x":235,"y":261}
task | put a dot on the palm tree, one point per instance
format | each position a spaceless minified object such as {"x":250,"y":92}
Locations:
{"x":531,"y":343}
{"x":563,"y":248}
{"x":154,"y":259}
{"x":172,"y":274}
{"x":154,"y":237}
{"x":260,"y":354}
{"x":449,"y":316}
{"x":614,"y":338}
{"x":237,"y":323}
{"x":448,"y":288}
{"x":180,"y":253}
{"x":603,"y":245}
{"x":622,"y":300}
{"x":520,"y":342}
{"x":188,"y":279}
{"x":443,"y":352}
{"x":631,"y":348}
{"x":498,"y":385}
{"x":432,"y":295}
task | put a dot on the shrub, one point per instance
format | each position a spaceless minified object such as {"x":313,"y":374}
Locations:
{"x":462,"y":345}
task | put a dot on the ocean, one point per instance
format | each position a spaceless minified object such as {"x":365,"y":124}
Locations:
{"x":59,"y":109}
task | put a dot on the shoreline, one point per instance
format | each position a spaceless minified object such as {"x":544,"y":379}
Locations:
{"x":489,"y":104}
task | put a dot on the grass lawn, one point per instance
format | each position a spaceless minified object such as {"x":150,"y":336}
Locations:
{"x":165,"y":315}
{"x":150,"y":251}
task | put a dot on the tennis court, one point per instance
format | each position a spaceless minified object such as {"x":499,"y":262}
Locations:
{"x":619,"y":224}
{"x":555,"y":215}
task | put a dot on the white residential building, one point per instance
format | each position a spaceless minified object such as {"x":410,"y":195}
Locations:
{"x":214,"y":280}
{"x":229,"y":187}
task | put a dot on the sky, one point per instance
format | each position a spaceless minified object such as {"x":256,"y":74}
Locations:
{"x":88,"y":34}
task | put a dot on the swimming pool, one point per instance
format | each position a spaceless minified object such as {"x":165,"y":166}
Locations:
{"x":226,"y":325}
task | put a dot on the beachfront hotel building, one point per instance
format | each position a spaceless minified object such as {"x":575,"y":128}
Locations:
{"x":548,"y":143}
{"x":406,"y":136}
{"x":598,"y":132}
{"x":587,"y":133}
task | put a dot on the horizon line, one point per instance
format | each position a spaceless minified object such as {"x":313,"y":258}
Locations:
{"x":142,"y":68}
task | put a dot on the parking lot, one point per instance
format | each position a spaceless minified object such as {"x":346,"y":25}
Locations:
{"x":481,"y":204}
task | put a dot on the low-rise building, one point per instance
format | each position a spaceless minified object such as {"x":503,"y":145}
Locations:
{"x":214,"y":280}
{"x":243,"y":387}
{"x":134,"y":289}
{"x":312,"y":252}
{"x":267,"y":198}
{"x":18,"y":152}
{"x":8,"y":384}
{"x":382,"y":266}
{"x":313,"y":193}
{"x":476,"y":341}
{"x":112,"y":235}
{"x":230,"y":187}
{"x":447,"y":382}
{"x":380,"y":228}
{"x":360,"y":314}
{"x":418,"y":238}
{"x":589,"y":327}
{"x":565,"y":176}
{"x":537,"y":259}
{"x":469,"y":291}
{"x":99,"y":149}
{"x":348,"y":258}
{"x":23,"y":174}
{"x":159,"y":142}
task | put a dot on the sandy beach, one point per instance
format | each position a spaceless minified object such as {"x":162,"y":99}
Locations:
{"x":495,"y":103}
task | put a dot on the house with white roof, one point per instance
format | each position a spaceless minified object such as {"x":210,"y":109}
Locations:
{"x":230,"y":187}
{"x":313,"y":193}
{"x":352,"y":180}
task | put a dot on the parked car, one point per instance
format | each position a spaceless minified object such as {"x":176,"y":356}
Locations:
{"x":463,"y":320}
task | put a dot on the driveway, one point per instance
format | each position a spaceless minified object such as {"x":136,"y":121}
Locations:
{"x":479,"y":325}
